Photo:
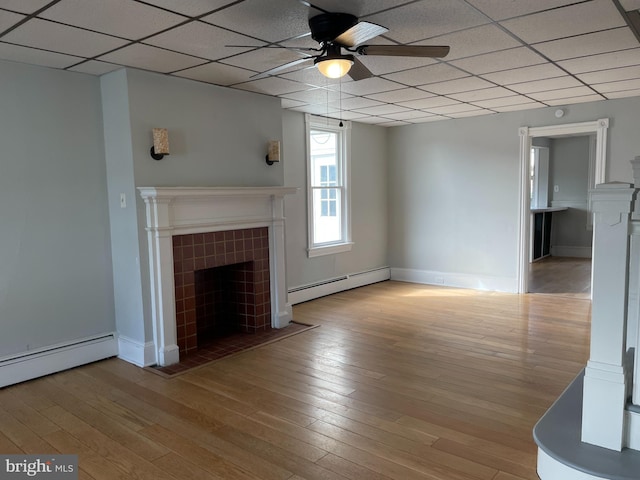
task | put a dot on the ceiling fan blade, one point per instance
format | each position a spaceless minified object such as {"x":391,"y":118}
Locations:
{"x":358,"y":71}
{"x":404,"y":50}
{"x":360,"y":32}
{"x":280,"y":68}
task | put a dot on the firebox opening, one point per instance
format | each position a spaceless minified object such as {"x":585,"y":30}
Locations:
{"x":222,"y":286}
{"x":225,"y":301}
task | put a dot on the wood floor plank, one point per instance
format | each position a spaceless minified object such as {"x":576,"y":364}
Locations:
{"x":199,"y":456}
{"x":400,"y":381}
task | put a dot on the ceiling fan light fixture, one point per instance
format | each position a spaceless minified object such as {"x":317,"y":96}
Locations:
{"x":335,"y":67}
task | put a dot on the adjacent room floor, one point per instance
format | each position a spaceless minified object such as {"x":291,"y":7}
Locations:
{"x":563,"y":276}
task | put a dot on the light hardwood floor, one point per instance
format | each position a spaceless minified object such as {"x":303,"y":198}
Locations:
{"x":400,"y":381}
{"x":565,"y":276}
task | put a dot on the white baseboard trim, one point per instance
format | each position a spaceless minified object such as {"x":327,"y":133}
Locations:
{"x":458,"y":280}
{"x":551,"y":469}
{"x":44,"y":361}
{"x":309,"y":292}
{"x":138,"y":353}
{"x":569,"y":251}
{"x":633,"y":430}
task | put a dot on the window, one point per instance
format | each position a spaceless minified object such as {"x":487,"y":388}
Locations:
{"x":328,"y":193}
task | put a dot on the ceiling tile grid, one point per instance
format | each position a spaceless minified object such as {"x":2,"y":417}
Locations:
{"x":504,"y":55}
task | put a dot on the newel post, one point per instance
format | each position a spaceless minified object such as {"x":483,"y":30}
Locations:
{"x":633,"y":326}
{"x":605,"y":385}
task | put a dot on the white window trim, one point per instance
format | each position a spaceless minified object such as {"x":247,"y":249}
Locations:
{"x":312,"y":121}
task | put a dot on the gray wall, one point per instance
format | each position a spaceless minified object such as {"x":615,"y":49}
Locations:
{"x":55,"y":259}
{"x":453,"y":186}
{"x":217,"y":137}
{"x":369,"y":205}
{"x":569,"y":170}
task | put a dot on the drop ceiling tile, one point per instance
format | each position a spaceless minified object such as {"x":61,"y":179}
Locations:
{"x":70,"y":40}
{"x":449,"y":109}
{"x":474,"y":113}
{"x":216,"y":73}
{"x":428,"y":103}
{"x":624,"y":94}
{"x":524,"y":74}
{"x":456,"y":86}
{"x":484,"y":94}
{"x":24,"y":6}
{"x":202,"y":40}
{"x":359,"y":8}
{"x":521,"y":106}
{"x":561,"y":93}
{"x":394,"y":123}
{"x":9,"y":19}
{"x":431,"y":74}
{"x":474,"y":41}
{"x":269,"y":21}
{"x":617,"y":86}
{"x":573,"y":100}
{"x":287,"y":103}
{"x":500,"y":10}
{"x":425,"y":19}
{"x":191,"y":7}
{"x":630,"y":4}
{"x":264,"y":59}
{"x":354,"y":103}
{"x":313,"y":96}
{"x":94,"y":67}
{"x":588,"y":44}
{"x":383,"y":65}
{"x":383,"y":110}
{"x":317,"y":110}
{"x":370,"y":85}
{"x":272,"y":86}
{"x":347,"y":115}
{"x":497,"y":61}
{"x":566,"y":21}
{"x":408,"y":115}
{"x":613,"y":75}
{"x":623,"y":58}
{"x":502,"y":101}
{"x":121,"y":18}
{"x":402,"y":95}
{"x":17,"y":53}
{"x":151,"y":58}
{"x":547,"y":84}
{"x":430,"y":118}
{"x":373,"y":120}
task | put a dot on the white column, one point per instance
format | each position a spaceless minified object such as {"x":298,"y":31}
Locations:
{"x":605,"y":389}
{"x":281,"y":311}
{"x":163,"y":305}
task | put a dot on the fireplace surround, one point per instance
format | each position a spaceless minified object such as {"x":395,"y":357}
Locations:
{"x":174,"y":212}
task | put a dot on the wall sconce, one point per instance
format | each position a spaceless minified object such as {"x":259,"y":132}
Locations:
{"x":274,"y":152}
{"x":160,"y":146}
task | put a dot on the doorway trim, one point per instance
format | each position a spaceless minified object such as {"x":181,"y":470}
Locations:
{"x":600,"y":128}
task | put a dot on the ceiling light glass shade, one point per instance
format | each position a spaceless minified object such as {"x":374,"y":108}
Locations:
{"x":335,"y":67}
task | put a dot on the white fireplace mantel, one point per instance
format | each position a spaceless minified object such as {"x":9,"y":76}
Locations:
{"x":184,"y":210}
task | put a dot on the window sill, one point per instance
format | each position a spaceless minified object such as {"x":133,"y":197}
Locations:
{"x":329,"y":249}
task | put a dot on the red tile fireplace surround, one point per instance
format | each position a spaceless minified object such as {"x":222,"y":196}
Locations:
{"x":192,"y":229}
{"x":221,"y":285}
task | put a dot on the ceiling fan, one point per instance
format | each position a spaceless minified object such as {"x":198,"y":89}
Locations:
{"x":339,"y":32}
